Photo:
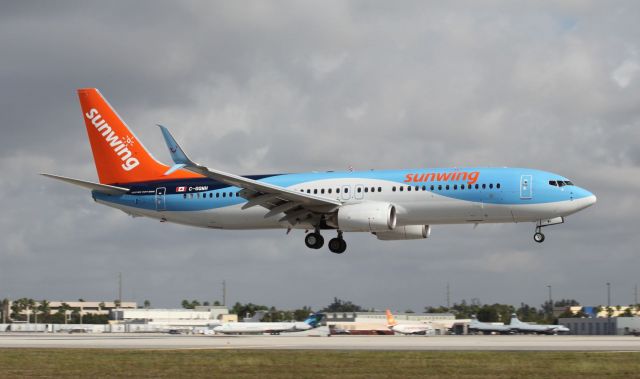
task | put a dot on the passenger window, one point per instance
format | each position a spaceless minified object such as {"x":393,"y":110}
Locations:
{"x":447,"y":187}
{"x":184,"y":196}
{"x":359,"y":190}
{"x":217,"y":194}
{"x":224,"y":194}
{"x":490,"y":185}
{"x":461,"y":186}
{"x":366,"y":189}
{"x":308,"y":191}
{"x":424,"y":188}
{"x":346,"y":190}
{"x":329,"y":190}
{"x":230,"y":194}
{"x":408,"y":188}
{"x":373,"y":189}
{"x":484,"y":186}
{"x":432,"y":187}
{"x":322,"y":191}
{"x":498,"y":185}
{"x":379,"y":189}
{"x":315,"y":191}
{"x":440,"y":187}
{"x":401,"y":188}
{"x":337,"y":190}
{"x":455,"y":186}
{"x":476,"y":186}
{"x":393,"y":188}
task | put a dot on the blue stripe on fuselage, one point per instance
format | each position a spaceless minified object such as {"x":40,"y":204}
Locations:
{"x":142,"y":195}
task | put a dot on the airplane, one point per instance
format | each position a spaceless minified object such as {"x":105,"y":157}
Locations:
{"x":487,"y":328}
{"x":390,"y":204}
{"x":422,"y":328}
{"x":269,"y":327}
{"x":523,"y":327}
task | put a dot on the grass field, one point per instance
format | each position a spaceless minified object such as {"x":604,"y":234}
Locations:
{"x":65,"y":363}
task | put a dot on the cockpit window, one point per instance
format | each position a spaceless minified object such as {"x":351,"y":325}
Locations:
{"x":560,"y":183}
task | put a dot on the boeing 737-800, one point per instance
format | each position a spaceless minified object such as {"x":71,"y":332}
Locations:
{"x":392,"y":205}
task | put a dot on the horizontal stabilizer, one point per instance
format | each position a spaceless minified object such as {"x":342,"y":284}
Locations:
{"x":103,"y":188}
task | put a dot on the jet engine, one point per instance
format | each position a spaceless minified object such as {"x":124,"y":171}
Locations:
{"x":407,"y":232}
{"x":370,"y":216}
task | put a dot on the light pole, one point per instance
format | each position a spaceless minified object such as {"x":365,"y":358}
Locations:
{"x":608,"y":295}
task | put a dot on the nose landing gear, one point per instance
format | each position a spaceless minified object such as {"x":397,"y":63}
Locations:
{"x":538,"y":236}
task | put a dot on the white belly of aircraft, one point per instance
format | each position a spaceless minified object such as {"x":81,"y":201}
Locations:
{"x":412,"y":209}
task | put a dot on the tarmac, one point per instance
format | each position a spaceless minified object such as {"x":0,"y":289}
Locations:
{"x":342,"y":342}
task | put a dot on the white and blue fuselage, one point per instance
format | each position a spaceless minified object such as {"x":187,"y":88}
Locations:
{"x":496,"y":195}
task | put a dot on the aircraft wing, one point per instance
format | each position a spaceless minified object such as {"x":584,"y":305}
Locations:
{"x":103,"y":188}
{"x":297,"y":205}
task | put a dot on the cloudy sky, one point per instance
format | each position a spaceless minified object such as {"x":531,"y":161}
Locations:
{"x":263,"y":87}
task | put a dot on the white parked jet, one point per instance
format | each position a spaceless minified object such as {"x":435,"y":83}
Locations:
{"x":416,"y":328}
{"x":269,"y":327}
{"x":518,"y":326}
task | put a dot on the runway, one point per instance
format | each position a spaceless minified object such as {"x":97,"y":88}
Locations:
{"x":434,"y":343}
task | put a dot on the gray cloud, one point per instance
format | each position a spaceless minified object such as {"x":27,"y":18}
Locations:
{"x":291,"y":86}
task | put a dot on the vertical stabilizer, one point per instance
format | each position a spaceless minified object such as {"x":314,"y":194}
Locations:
{"x":118,"y":154}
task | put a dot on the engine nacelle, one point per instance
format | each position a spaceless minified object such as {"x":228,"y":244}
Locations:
{"x":407,"y":232}
{"x":370,"y":216}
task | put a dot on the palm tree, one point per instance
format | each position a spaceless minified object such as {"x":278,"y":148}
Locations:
{"x":45,"y":309}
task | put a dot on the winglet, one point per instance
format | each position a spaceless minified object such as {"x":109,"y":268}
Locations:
{"x":178,"y":155}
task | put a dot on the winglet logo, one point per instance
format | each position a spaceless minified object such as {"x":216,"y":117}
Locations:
{"x":120,"y":146}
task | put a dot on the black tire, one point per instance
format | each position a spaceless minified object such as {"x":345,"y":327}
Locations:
{"x":335,"y":245}
{"x":314,"y":240}
{"x":343,"y":246}
{"x":538,"y":237}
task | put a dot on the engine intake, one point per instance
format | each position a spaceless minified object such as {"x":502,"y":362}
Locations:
{"x":370,"y":216}
{"x":407,"y":232}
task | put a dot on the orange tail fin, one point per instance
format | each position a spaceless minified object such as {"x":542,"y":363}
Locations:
{"x":391,"y":321}
{"x":118,"y":154}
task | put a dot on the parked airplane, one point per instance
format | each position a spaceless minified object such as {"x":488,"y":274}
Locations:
{"x":421,"y":328}
{"x":476,"y":326}
{"x":392,"y":205}
{"x":269,"y":327}
{"x":518,"y":326}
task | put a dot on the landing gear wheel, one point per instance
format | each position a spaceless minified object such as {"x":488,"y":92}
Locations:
{"x":314,"y":240}
{"x":337,"y":245}
{"x":538,"y":237}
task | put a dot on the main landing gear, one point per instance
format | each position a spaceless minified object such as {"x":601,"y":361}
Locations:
{"x":538,"y":236}
{"x":338,"y":245}
{"x":315,"y":241}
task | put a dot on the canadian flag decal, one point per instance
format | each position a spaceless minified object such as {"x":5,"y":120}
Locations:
{"x":181,"y":189}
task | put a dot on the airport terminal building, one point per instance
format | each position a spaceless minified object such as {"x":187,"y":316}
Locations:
{"x":602,"y":325}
